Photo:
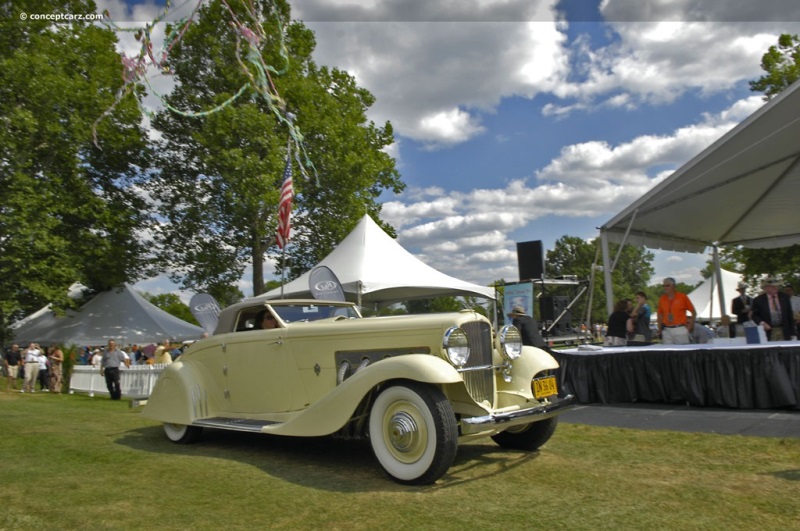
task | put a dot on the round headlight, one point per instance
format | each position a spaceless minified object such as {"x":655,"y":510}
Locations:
{"x":456,"y":345}
{"x":511,"y":342}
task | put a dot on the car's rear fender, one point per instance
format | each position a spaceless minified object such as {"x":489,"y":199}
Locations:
{"x":176,"y":397}
{"x":332,"y":412}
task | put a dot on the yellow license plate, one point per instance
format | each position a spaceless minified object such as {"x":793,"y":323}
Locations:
{"x":543,"y":387}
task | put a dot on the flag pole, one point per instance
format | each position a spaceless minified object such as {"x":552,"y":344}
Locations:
{"x":290,"y":118}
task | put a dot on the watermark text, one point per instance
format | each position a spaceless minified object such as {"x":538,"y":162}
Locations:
{"x":62,"y":17}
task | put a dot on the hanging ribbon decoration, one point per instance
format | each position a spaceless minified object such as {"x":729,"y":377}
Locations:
{"x":256,"y":71}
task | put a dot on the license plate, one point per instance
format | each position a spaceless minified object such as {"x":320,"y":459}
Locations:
{"x":543,"y":387}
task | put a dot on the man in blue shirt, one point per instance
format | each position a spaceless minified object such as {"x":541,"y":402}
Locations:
{"x":641,"y":316}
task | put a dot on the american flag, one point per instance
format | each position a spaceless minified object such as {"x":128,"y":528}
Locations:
{"x":285,"y":205}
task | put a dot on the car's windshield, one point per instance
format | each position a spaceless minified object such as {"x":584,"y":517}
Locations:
{"x":313,"y":312}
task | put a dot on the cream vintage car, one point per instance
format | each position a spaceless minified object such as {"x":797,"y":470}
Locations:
{"x":413,"y":385}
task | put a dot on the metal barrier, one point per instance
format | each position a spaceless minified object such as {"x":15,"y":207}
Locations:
{"x":136,"y":381}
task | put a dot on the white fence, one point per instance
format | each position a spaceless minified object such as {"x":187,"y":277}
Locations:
{"x":136,"y":381}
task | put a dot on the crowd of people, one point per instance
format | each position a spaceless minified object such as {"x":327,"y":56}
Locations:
{"x":34,"y":366}
{"x":776,"y":309}
{"x":36,"y":369}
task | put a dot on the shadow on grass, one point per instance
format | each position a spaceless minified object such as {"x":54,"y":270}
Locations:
{"x":791,"y":475}
{"x":325,"y":463}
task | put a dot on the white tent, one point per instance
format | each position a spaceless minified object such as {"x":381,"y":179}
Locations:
{"x":373,"y":267}
{"x":705,"y":297}
{"x":742,"y":190}
{"x":120,"y":314}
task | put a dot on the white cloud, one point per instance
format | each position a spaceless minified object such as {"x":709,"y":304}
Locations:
{"x":467,"y":234}
{"x":440,"y":69}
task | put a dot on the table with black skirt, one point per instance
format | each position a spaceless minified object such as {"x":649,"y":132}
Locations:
{"x":743,"y":376}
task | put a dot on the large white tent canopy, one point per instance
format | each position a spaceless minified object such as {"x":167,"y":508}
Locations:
{"x":120,"y":314}
{"x":705,"y":297}
{"x":742,"y":190}
{"x":373,"y":267}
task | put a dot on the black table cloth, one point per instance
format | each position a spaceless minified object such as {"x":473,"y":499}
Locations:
{"x":736,"y":376}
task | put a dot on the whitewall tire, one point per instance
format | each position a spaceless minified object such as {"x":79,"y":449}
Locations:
{"x":413,"y":432}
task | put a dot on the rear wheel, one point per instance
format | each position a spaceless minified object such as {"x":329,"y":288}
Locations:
{"x":528,"y":437}
{"x":413,"y":432}
{"x":181,"y":433}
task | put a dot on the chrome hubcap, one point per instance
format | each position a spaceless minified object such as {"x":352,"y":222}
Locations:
{"x":403,"y":432}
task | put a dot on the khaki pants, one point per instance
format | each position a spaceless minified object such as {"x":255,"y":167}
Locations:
{"x":675,"y":336}
{"x":31,"y":375}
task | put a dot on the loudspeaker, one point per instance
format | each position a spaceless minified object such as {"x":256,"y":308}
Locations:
{"x":551,"y":308}
{"x":530,"y":260}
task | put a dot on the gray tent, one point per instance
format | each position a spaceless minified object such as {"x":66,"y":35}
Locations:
{"x":742,"y":190}
{"x":120,"y":314}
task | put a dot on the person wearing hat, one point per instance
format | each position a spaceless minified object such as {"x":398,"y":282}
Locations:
{"x":740,"y":307}
{"x":773,"y":310}
{"x":527,"y":326}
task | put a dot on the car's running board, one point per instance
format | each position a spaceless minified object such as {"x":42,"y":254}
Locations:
{"x":234,"y":424}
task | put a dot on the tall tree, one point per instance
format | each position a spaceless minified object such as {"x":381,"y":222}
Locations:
{"x":68,"y":212}
{"x":220,"y":175}
{"x":782,"y":66}
{"x":173,"y":305}
{"x":574,"y":256}
{"x":754,"y":264}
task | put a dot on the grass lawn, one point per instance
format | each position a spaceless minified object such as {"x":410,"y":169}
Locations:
{"x":74,"y":462}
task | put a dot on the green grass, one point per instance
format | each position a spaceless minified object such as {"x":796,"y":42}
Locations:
{"x":74,"y":462}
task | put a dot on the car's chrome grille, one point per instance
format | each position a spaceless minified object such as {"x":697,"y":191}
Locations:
{"x":480,"y":383}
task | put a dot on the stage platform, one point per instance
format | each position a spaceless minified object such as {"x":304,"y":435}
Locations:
{"x":765,"y":376}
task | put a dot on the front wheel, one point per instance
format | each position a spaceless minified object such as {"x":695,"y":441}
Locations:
{"x":413,"y":432}
{"x":181,"y":433}
{"x":528,"y":437}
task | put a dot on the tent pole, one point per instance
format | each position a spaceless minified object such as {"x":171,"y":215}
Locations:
{"x":283,"y":269}
{"x":718,"y":272}
{"x":591,"y":292}
{"x":607,"y":273}
{"x":624,"y":239}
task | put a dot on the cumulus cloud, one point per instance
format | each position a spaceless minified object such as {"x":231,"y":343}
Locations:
{"x":469,"y":233}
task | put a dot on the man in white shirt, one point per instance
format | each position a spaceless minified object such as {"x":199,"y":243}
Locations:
{"x":30,"y":361}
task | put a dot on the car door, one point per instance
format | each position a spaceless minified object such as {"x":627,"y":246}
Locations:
{"x":261,"y":376}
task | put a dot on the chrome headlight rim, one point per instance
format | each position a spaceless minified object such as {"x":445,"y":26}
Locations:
{"x":456,"y":346}
{"x":510,"y":342}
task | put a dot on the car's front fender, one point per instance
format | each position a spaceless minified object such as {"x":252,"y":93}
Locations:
{"x":332,"y":412}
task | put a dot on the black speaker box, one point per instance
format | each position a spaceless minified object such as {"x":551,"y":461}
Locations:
{"x":551,"y":308}
{"x":530,"y":260}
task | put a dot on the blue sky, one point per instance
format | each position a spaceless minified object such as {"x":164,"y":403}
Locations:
{"x":525,"y":120}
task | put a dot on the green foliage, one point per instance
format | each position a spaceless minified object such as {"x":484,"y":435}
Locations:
{"x":220,"y":176}
{"x":173,"y":305}
{"x":754,"y":264}
{"x":782,"y":66}
{"x":575,"y":256}
{"x":70,"y":360}
{"x":68,"y":211}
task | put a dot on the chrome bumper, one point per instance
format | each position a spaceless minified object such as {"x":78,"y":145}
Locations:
{"x":501,"y":421}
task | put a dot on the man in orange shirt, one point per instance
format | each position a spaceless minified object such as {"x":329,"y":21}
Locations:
{"x":672,"y":308}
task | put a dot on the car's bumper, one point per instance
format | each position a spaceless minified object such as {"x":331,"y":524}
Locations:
{"x":502,"y":421}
